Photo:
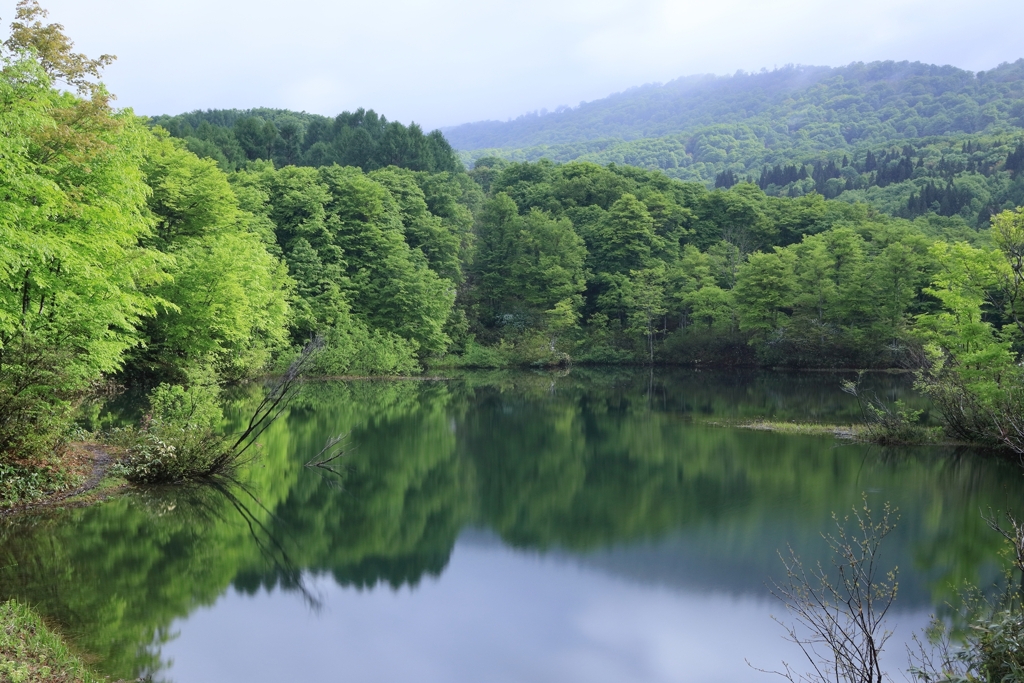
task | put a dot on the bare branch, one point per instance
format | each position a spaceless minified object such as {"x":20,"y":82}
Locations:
{"x":838,"y":615}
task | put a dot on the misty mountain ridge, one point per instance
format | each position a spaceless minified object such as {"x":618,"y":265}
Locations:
{"x":784,"y":94}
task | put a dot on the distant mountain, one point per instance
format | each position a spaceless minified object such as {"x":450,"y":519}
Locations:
{"x":907,"y":137}
{"x":851,"y":104}
{"x":643,"y":111}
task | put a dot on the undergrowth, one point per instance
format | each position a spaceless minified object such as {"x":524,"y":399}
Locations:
{"x":27,"y":482}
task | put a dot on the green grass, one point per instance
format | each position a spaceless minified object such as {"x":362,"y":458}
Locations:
{"x":32,"y":653}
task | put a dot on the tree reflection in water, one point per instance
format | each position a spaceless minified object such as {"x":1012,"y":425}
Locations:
{"x":615,"y":469}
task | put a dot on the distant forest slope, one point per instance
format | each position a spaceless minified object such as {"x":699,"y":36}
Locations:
{"x":909,"y":138}
{"x":872,"y":102}
{"x":360,"y":138}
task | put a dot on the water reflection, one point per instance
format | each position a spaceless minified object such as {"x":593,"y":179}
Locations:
{"x":497,"y":614}
{"x":610,"y":489}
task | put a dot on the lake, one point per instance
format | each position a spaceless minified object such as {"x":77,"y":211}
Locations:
{"x":589,"y":525}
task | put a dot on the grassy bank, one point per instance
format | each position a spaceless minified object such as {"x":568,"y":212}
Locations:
{"x":853,"y":431}
{"x":32,"y":653}
{"x":916,"y":435}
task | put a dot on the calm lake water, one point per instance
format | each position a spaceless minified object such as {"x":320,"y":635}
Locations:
{"x":584,"y":526}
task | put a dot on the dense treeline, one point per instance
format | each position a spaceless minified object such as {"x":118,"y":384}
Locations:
{"x":360,"y":138}
{"x":972,"y":177}
{"x":126,"y":258}
{"x":621,"y":263}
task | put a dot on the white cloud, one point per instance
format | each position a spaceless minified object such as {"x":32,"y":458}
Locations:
{"x":450,"y":61}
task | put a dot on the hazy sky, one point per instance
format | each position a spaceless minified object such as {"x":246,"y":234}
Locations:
{"x":446,"y":62}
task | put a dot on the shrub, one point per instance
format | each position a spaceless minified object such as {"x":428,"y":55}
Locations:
{"x":180,"y":438}
{"x":992,"y":647}
{"x":356,"y":349}
{"x":888,"y":424}
{"x":177,"y":440}
{"x":479,"y":356}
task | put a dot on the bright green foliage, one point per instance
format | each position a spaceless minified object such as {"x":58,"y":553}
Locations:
{"x":738,"y":217}
{"x":356,"y":253}
{"x":495,"y":251}
{"x":423,"y":230}
{"x":973,"y":340}
{"x":291,"y":202}
{"x":682,"y":274}
{"x":392,"y":286}
{"x":960,"y":284}
{"x":712,"y":306}
{"x":958,"y":337}
{"x":179,"y":438}
{"x":765,"y":287}
{"x":547,"y":266}
{"x":832,"y":288}
{"x":625,"y":239}
{"x":530,"y":269}
{"x":352,"y":348}
{"x":643,"y":296}
{"x":72,"y":273}
{"x":455,"y":199}
{"x":1008,"y":236}
{"x":226,"y":302}
{"x":836,"y":294}
{"x":232,"y":298}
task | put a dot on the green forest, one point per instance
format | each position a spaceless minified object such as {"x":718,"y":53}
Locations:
{"x":187,"y":253}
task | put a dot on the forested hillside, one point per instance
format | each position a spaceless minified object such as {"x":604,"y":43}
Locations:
{"x":361,"y":138}
{"x":871,"y":102}
{"x":791,"y":130}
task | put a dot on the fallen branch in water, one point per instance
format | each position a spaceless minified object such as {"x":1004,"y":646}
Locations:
{"x":330,"y":452}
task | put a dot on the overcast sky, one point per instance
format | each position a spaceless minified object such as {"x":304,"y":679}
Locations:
{"x":445,"y":62}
